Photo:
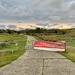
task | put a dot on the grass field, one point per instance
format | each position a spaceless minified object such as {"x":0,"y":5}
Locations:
{"x":70,"y":54}
{"x":8,"y":42}
{"x":68,"y":37}
{"x":8,"y":57}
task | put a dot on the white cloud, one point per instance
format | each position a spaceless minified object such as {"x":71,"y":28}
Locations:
{"x":2,"y":8}
{"x":49,"y":4}
{"x":55,"y":17}
{"x":12,"y":26}
{"x":21,"y":11}
{"x":43,"y":23}
{"x":57,"y":4}
{"x":38,"y":11}
{"x":71,"y":16}
{"x":72,"y":7}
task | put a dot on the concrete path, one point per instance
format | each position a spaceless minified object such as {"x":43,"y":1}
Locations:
{"x":35,"y":62}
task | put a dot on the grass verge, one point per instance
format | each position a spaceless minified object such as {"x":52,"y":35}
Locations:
{"x":69,"y":54}
{"x":8,"y":57}
{"x":10,"y":40}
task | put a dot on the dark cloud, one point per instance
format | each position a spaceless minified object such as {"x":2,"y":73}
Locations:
{"x":56,"y":24}
{"x":12,"y":26}
{"x":42,"y":23}
{"x":2,"y":8}
{"x":69,"y":24}
{"x":19,"y":22}
{"x":20,"y":28}
{"x":53,"y":25}
{"x":72,"y":8}
{"x":21,"y":11}
{"x":61,"y":26}
{"x":56,"y":4}
{"x":11,"y":3}
{"x":2,"y":26}
{"x":33,"y":26}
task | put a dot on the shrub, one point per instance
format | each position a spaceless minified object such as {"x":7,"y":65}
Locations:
{"x":3,"y":45}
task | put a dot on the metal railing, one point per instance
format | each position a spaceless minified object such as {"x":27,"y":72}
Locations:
{"x":11,"y":46}
{"x":27,"y":44}
{"x":20,"y":45}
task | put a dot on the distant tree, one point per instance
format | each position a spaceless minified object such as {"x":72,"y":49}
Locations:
{"x":18,"y":32}
{"x":1,"y":31}
{"x":63,"y":32}
{"x":56,"y":31}
{"x":27,"y":32}
{"x":8,"y":31}
{"x":39,"y":30}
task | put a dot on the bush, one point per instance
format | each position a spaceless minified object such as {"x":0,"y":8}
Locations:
{"x":3,"y":45}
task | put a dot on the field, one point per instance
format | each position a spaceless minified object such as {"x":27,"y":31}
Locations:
{"x":8,"y":42}
{"x":69,"y":37}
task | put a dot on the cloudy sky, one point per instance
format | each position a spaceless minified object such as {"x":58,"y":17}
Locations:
{"x":50,"y":14}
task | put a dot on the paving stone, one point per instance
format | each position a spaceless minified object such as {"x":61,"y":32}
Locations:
{"x":59,"y":67}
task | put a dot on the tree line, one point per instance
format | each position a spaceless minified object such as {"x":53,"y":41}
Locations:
{"x":37,"y":30}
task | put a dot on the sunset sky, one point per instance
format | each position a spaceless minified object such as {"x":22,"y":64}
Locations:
{"x":49,"y":14}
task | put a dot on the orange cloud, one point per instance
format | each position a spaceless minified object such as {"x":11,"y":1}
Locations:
{"x":33,"y":25}
{"x":65,"y":26}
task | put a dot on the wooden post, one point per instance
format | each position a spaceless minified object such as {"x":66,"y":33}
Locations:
{"x":65,"y":44}
{"x":12,"y":51}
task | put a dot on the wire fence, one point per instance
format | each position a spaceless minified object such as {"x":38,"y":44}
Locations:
{"x":12,"y":46}
{"x":22,"y":45}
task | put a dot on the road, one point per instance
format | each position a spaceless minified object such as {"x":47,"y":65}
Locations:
{"x":38,"y":62}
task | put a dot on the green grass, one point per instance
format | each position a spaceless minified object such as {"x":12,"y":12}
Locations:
{"x":10,"y":40}
{"x":4,"y":37}
{"x":21,"y":45}
{"x":8,"y":57}
{"x":10,"y":46}
{"x":70,"y":54}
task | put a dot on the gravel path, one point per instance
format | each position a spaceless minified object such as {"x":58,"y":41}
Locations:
{"x":35,"y":62}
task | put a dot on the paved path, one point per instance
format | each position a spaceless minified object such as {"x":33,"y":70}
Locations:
{"x":35,"y":62}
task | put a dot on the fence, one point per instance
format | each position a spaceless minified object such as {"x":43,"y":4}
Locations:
{"x":11,"y":46}
{"x":27,"y":44}
{"x":20,"y":45}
